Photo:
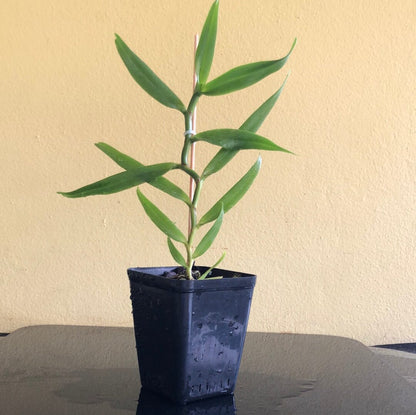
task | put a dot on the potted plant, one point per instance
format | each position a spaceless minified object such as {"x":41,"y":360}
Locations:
{"x":190,"y":322}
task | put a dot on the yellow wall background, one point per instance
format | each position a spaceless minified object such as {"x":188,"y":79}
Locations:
{"x":330,"y":232}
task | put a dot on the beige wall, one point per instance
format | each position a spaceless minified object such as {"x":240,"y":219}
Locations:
{"x":330,"y":232}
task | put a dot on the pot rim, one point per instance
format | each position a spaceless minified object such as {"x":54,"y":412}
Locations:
{"x":152,"y":276}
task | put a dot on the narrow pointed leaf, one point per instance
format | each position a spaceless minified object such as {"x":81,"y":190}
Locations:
{"x":254,"y":122}
{"x":209,"y":237}
{"x":231,"y":139}
{"x":128,"y":163}
{"x":176,"y":255}
{"x":206,"y":273}
{"x":205,"y":51}
{"x":233,"y":195}
{"x":122,"y":181}
{"x":160,"y":219}
{"x":243,"y":76}
{"x":123,"y":160}
{"x":218,"y":162}
{"x":147,"y":79}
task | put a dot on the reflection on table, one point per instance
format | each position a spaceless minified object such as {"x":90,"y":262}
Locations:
{"x":93,"y":370}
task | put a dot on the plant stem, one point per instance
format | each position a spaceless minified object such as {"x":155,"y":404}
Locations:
{"x":193,"y":102}
{"x":188,"y":127}
{"x":194,"y":221}
{"x":189,"y":171}
{"x":198,"y":182}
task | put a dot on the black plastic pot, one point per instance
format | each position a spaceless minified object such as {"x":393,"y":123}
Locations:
{"x":190,"y":333}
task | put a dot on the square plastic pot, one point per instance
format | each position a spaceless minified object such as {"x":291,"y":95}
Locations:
{"x":190,"y":333}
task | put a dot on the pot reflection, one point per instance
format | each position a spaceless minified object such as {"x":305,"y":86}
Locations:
{"x":152,"y":404}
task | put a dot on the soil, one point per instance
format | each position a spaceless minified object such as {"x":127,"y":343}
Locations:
{"x":180,"y":274}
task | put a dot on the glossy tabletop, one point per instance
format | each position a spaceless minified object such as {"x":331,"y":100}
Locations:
{"x":93,"y":370}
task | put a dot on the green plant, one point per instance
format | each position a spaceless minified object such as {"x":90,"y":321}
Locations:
{"x":230,"y":141}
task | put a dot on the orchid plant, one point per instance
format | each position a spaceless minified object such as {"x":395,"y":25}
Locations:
{"x":230,"y":141}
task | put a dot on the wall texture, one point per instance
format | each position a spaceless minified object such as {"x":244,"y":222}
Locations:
{"x":330,"y":232}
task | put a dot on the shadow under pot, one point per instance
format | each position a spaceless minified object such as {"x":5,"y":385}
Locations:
{"x":151,"y":404}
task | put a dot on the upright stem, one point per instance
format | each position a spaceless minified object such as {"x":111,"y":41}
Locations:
{"x":187,"y":142}
{"x":193,"y":124}
{"x":194,"y":221}
{"x":189,"y":166}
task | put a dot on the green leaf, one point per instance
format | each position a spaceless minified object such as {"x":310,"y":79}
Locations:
{"x":218,"y":162}
{"x":209,"y":237}
{"x":254,"y":122}
{"x":160,"y":219}
{"x":243,"y":76}
{"x":233,"y":195}
{"x":204,"y":275}
{"x":177,"y":256}
{"x":128,"y":163}
{"x":122,"y":181}
{"x":147,"y":79}
{"x":205,"y":51}
{"x":123,"y":160}
{"x":231,"y":139}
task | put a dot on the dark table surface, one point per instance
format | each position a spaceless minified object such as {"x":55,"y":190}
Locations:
{"x":93,"y":370}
